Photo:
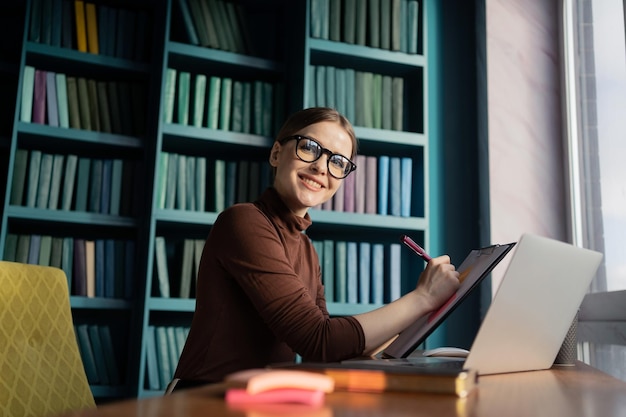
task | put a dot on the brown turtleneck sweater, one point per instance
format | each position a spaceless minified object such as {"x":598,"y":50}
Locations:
{"x":260,"y":298}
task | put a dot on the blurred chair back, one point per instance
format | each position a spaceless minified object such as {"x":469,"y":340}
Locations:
{"x":41,"y":371}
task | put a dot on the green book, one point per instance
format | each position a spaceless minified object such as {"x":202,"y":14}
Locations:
{"x":94,"y":105}
{"x":246,"y":122}
{"x":56,"y":253}
{"x":368,"y":99}
{"x":34,"y":166}
{"x":330,"y":87}
{"x":72,"y":103}
{"x":183,"y":97}
{"x":237,"y":107}
{"x":377,"y":105}
{"x":45,"y":178}
{"x":220,"y":185}
{"x":257,"y":126}
{"x":110,"y":358}
{"x":230,"y":11}
{"x":23,"y":249}
{"x":186,"y":268}
{"x":20,"y":165}
{"x":188,"y":21}
{"x":386,"y":102}
{"x":162,"y":169}
{"x":385,"y":24}
{"x":169,"y":93}
{"x":397,"y":103}
{"x":62,"y":104}
{"x":82,"y":184}
{"x":86,"y":352}
{"x":83,"y":103}
{"x":413,"y":26}
{"x":196,"y":14}
{"x":98,"y":353}
{"x":69,"y":178}
{"x":172,"y":173}
{"x":200,"y":182}
{"x":28,"y":91}
{"x":396,"y":24}
{"x":349,"y":21}
{"x":225,"y":103}
{"x":104,"y":107}
{"x":334,"y":22}
{"x":163,"y":357}
{"x":213,"y":102}
{"x":328,"y":269}
{"x":361,"y":22}
{"x":199,"y":94}
{"x":190,"y":183}
{"x":10,"y":247}
{"x":373,"y":23}
{"x":67,"y":260}
{"x":152,"y":368}
{"x":55,"y":181}
{"x":161,"y":267}
{"x":95,"y":185}
{"x":222,"y":23}
{"x":181,"y":182}
{"x":116,"y":187}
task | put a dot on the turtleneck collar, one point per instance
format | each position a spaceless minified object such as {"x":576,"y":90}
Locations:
{"x":271,"y":202}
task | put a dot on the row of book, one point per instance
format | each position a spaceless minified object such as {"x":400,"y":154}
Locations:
{"x":367,"y":99}
{"x":69,"y":182}
{"x":217,"y":24}
{"x":57,"y":99}
{"x":385,"y":24}
{"x":90,"y":27}
{"x":380,"y":185}
{"x":98,"y":354}
{"x":186,"y":182}
{"x":360,"y":272}
{"x":164,"y":344}
{"x":176,"y":278}
{"x":94,"y":268}
{"x":222,"y":102}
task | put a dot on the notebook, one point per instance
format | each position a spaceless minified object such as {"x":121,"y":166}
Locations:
{"x":530,"y":314}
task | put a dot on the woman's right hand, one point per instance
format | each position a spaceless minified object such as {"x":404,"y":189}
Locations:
{"x":437,"y":282}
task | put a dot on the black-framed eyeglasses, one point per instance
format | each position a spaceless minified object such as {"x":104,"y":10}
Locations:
{"x":310,"y":150}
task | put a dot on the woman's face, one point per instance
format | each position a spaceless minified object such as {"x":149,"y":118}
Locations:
{"x":308,"y":184}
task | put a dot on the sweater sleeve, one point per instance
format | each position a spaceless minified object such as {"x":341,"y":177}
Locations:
{"x":281,"y":279}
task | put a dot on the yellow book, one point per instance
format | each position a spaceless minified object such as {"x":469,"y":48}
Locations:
{"x":81,"y":31}
{"x":92,"y":28}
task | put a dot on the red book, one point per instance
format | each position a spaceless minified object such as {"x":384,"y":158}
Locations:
{"x":39,"y":101}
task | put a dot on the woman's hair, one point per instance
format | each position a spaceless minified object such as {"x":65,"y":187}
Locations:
{"x":306,"y":117}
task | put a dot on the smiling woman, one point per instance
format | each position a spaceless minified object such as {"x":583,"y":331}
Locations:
{"x":595,"y":99}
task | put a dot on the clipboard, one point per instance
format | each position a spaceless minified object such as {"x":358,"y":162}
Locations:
{"x":476,"y":266}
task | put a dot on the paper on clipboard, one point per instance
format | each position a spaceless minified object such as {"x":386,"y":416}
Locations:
{"x":476,"y":266}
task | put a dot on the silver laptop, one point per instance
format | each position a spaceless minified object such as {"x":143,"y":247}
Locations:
{"x":531,"y":312}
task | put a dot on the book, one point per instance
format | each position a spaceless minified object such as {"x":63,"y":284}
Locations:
{"x":82,"y":184}
{"x":98,"y":354}
{"x":34,"y":166}
{"x":341,"y":273}
{"x":220,"y":186}
{"x":237,"y":107}
{"x":360,"y":184}
{"x":104,"y":108}
{"x":105,"y":187}
{"x":172,"y":175}
{"x":110,"y":358}
{"x":152,"y":370}
{"x":67,"y":24}
{"x":184,"y":78}
{"x":125,"y":107}
{"x":225,"y":103}
{"x":186,"y":270}
{"x":117,"y":166}
{"x":396,"y":24}
{"x":43,"y":184}
{"x":62,"y":103}
{"x":79,"y":271}
{"x":169,"y":94}
{"x":72,"y":103}
{"x":58,"y":163}
{"x":397,"y":103}
{"x":197,"y":15}
{"x":91,"y":23}
{"x":373,"y":23}
{"x":190,"y":183}
{"x":67,"y":260}
{"x":103,"y":30}
{"x":376,"y":376}
{"x":10,"y":247}
{"x":334,"y":20}
{"x":115,"y":109}
{"x":406,"y":185}
{"x":181,"y":183}
{"x":371,"y":182}
{"x":413,"y":26}
{"x":395,"y":190}
{"x":213,"y":102}
{"x":378,"y":273}
{"x":90,"y":267}
{"x":81,"y":25}
{"x":34,"y":33}
{"x":161,"y":266}
{"x":386,"y":98}
{"x":328,"y":269}
{"x":39,"y":98}
{"x":28,"y":89}
{"x":18,"y":180}
{"x":95,"y":186}
{"x":23,"y":249}
{"x":51,"y":99}
{"x":190,"y":28}
{"x":86,"y":353}
{"x":161,"y":179}
{"x":200,"y":183}
{"x":45,"y":250}
{"x":352,"y":271}
{"x":383,"y":184}
{"x":199,"y":93}
{"x":83,"y":103}
{"x":33,"y":249}
{"x":56,"y":252}
{"x":365,"y":255}
{"x":94,"y":105}
{"x":393,"y":282}
{"x":385,"y":24}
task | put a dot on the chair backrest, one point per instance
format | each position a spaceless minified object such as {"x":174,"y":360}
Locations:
{"x":41,"y":371}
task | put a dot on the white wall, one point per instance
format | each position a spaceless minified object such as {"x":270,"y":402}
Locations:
{"x":527,"y":186}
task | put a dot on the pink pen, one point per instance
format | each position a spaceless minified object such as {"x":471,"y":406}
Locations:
{"x":415,"y":248}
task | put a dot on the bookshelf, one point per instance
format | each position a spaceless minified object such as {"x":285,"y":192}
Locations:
{"x":273,"y":67}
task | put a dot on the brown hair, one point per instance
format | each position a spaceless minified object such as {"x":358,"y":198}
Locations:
{"x":307,"y":117}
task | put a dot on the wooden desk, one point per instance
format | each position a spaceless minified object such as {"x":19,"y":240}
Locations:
{"x":567,"y":392}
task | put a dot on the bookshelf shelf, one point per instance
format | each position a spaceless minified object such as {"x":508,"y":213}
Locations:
{"x":282,"y":71}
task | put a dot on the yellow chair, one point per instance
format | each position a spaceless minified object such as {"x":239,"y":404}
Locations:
{"x":41,"y":371}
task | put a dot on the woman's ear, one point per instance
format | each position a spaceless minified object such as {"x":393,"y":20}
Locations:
{"x":274,"y":154}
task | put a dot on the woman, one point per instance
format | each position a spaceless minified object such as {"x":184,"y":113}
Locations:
{"x":260,"y":298}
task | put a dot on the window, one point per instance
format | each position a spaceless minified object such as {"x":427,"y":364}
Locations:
{"x":594,"y":46}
